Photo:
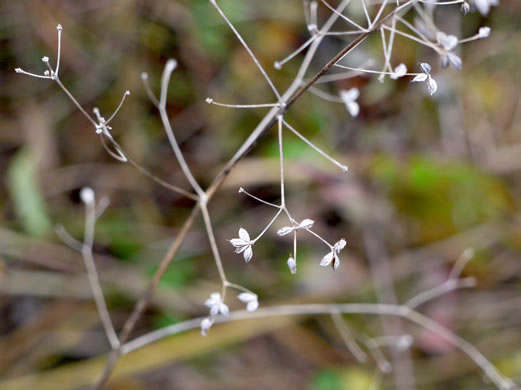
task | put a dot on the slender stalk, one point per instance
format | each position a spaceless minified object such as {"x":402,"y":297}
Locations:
{"x":148,"y":89}
{"x":279,"y":64}
{"x":378,"y":356}
{"x":73,"y":99}
{"x":268,"y":226}
{"x":281,"y":157}
{"x":442,"y":289}
{"x":119,"y":107}
{"x":316,"y":148}
{"x":366,"y":12}
{"x":324,"y":95}
{"x":21,"y":71}
{"x":342,"y":33}
{"x":92,"y":273}
{"x":213,"y":243}
{"x":380,"y":11}
{"x":145,"y":298}
{"x":58,"y":55}
{"x":339,"y":13}
{"x":348,"y":308}
{"x":295,"y":245}
{"x":372,"y":71}
{"x":413,"y":38}
{"x":348,"y":338}
{"x":242,"y":190}
{"x":165,"y":79}
{"x":245,"y":45}
{"x":320,"y":238}
{"x":211,"y":101}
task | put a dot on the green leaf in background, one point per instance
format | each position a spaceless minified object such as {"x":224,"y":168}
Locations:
{"x":164,"y":320}
{"x":351,"y":378}
{"x":293,"y":148}
{"x":510,"y":365}
{"x":213,"y":40}
{"x":326,"y":380}
{"x":179,"y":274}
{"x":25,"y":193}
{"x":125,"y":242}
{"x":441,"y":197}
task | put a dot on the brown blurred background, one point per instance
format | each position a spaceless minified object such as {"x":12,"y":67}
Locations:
{"x":428,"y":178}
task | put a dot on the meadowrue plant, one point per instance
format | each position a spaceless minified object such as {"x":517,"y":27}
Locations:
{"x":387,"y":19}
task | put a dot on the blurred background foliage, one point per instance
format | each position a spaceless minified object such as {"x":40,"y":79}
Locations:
{"x":428,"y":178}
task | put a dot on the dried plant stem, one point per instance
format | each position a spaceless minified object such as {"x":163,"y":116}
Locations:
{"x":399,"y":311}
{"x":145,"y":298}
{"x":242,"y":190}
{"x":449,"y":285}
{"x":281,"y":157}
{"x":92,"y":274}
{"x":320,"y":151}
{"x":339,"y":13}
{"x":122,"y":155}
{"x":245,"y":45}
{"x":165,"y":79}
{"x":213,"y":245}
{"x":292,"y":94}
{"x":348,"y":338}
{"x":385,"y":308}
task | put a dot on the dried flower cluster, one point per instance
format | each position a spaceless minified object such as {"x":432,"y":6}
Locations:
{"x":379,"y":20}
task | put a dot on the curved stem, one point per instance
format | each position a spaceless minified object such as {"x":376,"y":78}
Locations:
{"x":165,"y":79}
{"x":348,"y":308}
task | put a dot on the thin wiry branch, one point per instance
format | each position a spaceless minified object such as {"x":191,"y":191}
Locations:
{"x":92,"y":273}
{"x":165,"y":79}
{"x":348,"y":338}
{"x":400,"y":311}
{"x":245,"y":45}
{"x":316,"y":148}
{"x":92,"y":212}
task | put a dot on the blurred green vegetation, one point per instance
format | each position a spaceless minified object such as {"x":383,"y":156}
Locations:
{"x":433,"y":176}
{"x":441,"y":197}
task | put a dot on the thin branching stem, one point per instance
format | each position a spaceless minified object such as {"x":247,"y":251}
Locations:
{"x":165,"y":79}
{"x":401,"y":311}
{"x":294,"y":92}
{"x":264,"y":105}
{"x":213,"y":243}
{"x":245,"y":45}
{"x":442,"y":289}
{"x":268,"y":226}
{"x":339,"y":13}
{"x":242,"y":190}
{"x":119,"y":107}
{"x":281,"y":157}
{"x":316,"y":148}
{"x":92,"y":273}
{"x":347,"y":337}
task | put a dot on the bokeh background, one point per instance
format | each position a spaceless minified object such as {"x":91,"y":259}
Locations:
{"x":428,"y":178}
